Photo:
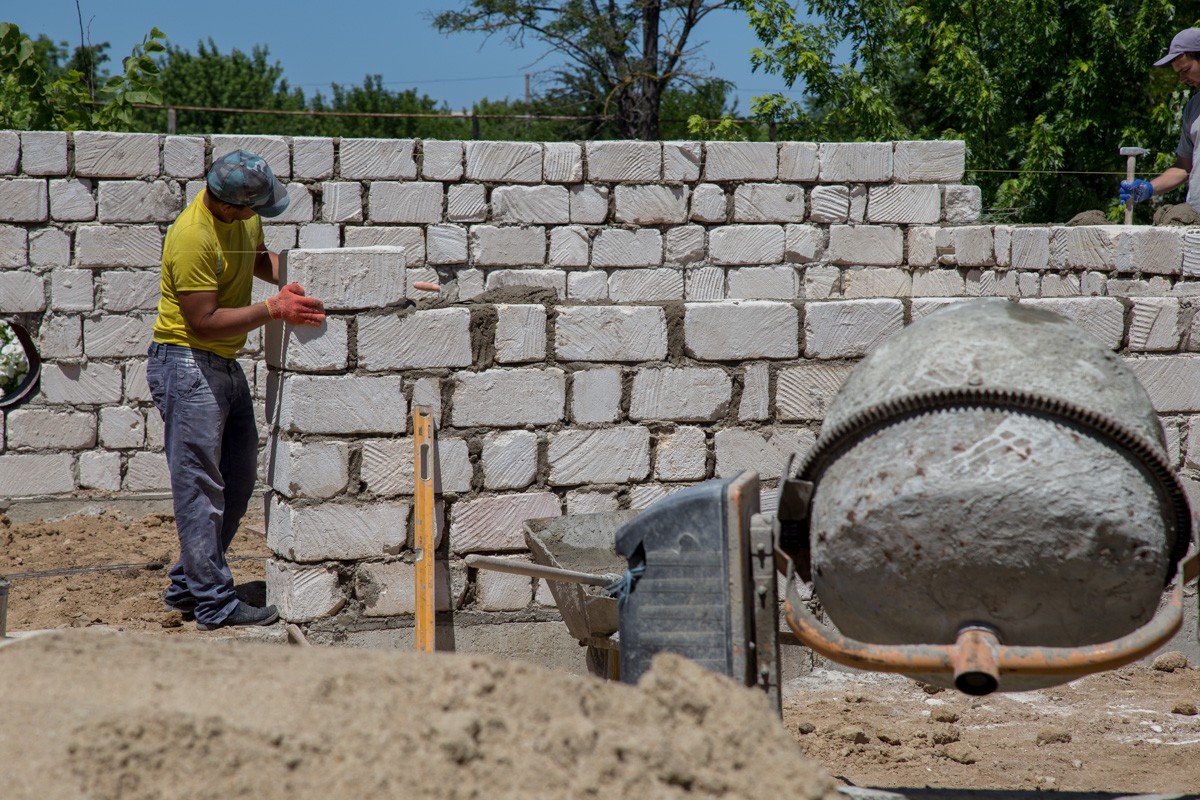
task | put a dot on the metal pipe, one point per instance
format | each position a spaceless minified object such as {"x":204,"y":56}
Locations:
{"x":940,"y":658}
{"x":538,"y":571}
{"x":3,"y":607}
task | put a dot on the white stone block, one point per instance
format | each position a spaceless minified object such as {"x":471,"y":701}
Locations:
{"x":139,"y":201}
{"x":1155,"y":251}
{"x":303,"y":594}
{"x":607,"y":455}
{"x":706,"y":283}
{"x":938,"y":283}
{"x":116,"y":155}
{"x":347,"y":278}
{"x":596,"y":395}
{"x":682,"y":161}
{"x":569,"y":246}
{"x":312,"y":469}
{"x":624,"y":162}
{"x":736,"y":245}
{"x":439,"y":337}
{"x":47,"y":429}
{"x":22,"y":292}
{"x":763,"y":283}
{"x":741,"y":161}
{"x":709,"y":204}
{"x":71,"y":290}
{"x":860,"y":162}
{"x":377,"y":159}
{"x":904,"y":203}
{"x":100,"y":470}
{"x":337,"y":404}
{"x":851,"y":328}
{"x":466,"y":203}
{"x":738,"y":450}
{"x":799,"y":161}
{"x":341,"y":201}
{"x":822,"y":283}
{"x":617,"y":247}
{"x":71,"y":200}
{"x":1030,"y":248}
{"x":14,"y":247}
{"x":586,"y":502}
{"x":644,"y":204}
{"x":493,"y":246}
{"x":122,"y":427}
{"x":1103,"y":317}
{"x":146,"y":472}
{"x":520,"y":333}
{"x":930,"y":161}
{"x":61,"y":337}
{"x":336,"y":531}
{"x":862,"y":282}
{"x":531,"y":205}
{"x":562,"y":162}
{"x":410,"y":239}
{"x":1155,"y":324}
{"x":23,"y":200}
{"x":681,"y":455}
{"x":768,"y":202}
{"x":394,"y":202}
{"x":684,"y":245}
{"x":48,"y":247}
{"x":183,"y":156}
{"x":756,"y":393}
{"x":509,"y":459}
{"x":804,"y":392}
{"x":312,"y":158}
{"x":500,"y":591}
{"x":496,"y":523}
{"x":1060,"y":285}
{"x":539,"y":278}
{"x":1173,"y":382}
{"x":830,"y":204}
{"x":131,"y":246}
{"x":962,"y":205}
{"x":589,"y":204}
{"x":866,"y":245}
{"x":586,"y":287}
{"x":803,"y":243}
{"x":1002,"y":245}
{"x":509,"y":398}
{"x":974,"y":246}
{"x":44,"y":153}
{"x":441,"y":161}
{"x":611,"y":333}
{"x":741,"y":329}
{"x":504,"y":162}
{"x":645,"y":285}
{"x":37,"y":474}
{"x":10,"y":152}
{"x":389,"y":588}
{"x":387,"y":465}
{"x":684,"y":394}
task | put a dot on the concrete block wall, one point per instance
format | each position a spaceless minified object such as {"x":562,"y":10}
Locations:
{"x":618,"y":320}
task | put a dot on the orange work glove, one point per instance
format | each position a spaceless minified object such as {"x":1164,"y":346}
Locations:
{"x":294,"y":308}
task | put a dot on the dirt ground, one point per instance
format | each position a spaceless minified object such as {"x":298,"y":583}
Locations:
{"x":1132,"y":731}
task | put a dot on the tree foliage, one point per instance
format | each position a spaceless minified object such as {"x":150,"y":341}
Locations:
{"x":38,"y":92}
{"x":1043,"y":92}
{"x":622,"y":56}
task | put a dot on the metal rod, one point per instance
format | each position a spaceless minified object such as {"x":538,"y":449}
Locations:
{"x":423,"y":468}
{"x":537,"y":571}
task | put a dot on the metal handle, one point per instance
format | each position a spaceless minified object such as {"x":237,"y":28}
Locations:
{"x":538,"y":571}
{"x":977,"y":659}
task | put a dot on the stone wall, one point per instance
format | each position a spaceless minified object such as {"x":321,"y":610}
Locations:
{"x":618,"y":320}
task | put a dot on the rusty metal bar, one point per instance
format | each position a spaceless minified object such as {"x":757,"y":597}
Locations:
{"x":538,"y":570}
{"x":968,"y":656}
{"x":423,"y":524}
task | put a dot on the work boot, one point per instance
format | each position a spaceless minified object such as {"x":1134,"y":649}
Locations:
{"x":243,"y":615}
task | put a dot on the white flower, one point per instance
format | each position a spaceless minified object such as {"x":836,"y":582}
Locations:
{"x":14,"y":364}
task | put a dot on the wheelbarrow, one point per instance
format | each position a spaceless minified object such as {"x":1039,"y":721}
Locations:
{"x":576,"y":556}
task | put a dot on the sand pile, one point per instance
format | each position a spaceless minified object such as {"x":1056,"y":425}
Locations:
{"x":101,"y":715}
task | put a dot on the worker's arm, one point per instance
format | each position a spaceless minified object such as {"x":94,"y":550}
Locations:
{"x":1173,"y":176}
{"x":209,"y":321}
{"x":266,"y":265}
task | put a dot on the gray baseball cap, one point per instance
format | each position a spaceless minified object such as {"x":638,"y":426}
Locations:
{"x":242,"y":178}
{"x":1186,"y":41}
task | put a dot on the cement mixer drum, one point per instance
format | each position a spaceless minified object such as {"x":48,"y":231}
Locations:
{"x":993,"y":464}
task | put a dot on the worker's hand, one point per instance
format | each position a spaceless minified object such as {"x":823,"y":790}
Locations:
{"x":1136,"y":191}
{"x":293,"y":307}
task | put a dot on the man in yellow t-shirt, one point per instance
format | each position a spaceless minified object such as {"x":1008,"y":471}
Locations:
{"x":211,"y":255}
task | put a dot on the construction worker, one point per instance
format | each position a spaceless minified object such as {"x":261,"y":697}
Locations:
{"x":211,"y":253}
{"x":1184,"y":57}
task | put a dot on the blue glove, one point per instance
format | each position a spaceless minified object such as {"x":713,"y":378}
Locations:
{"x":1136,"y":191}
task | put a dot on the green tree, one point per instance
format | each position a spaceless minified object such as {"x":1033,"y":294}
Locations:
{"x":373,"y":98}
{"x":1043,"y":92}
{"x":38,"y":92}
{"x":622,"y":56}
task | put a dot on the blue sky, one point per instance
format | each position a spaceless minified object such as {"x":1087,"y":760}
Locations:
{"x":319,"y":43}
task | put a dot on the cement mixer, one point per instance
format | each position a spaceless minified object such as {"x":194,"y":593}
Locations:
{"x":988,"y":506}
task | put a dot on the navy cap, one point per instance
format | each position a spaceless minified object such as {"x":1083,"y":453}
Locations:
{"x":1186,"y":41}
{"x":242,"y":178}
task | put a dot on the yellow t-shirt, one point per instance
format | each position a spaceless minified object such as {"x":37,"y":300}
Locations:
{"x":203,"y":254}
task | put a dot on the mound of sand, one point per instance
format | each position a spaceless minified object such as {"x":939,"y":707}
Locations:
{"x":102,"y":715}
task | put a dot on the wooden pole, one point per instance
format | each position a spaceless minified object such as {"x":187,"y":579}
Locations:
{"x":423,"y":524}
